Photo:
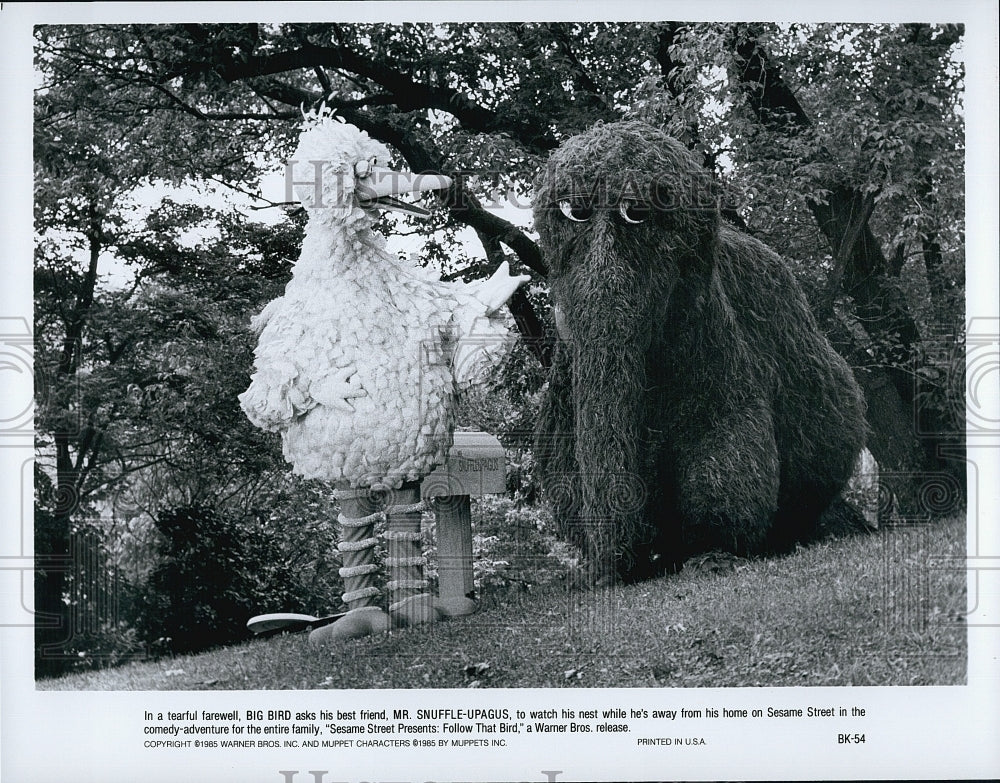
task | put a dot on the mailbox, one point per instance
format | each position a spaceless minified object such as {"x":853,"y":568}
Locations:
{"x":475,"y":467}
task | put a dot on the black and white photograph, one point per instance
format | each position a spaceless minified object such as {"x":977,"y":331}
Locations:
{"x":500,"y":391}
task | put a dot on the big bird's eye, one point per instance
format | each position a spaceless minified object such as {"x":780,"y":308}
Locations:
{"x":576,"y":211}
{"x":364,"y":167}
{"x":634,"y":211}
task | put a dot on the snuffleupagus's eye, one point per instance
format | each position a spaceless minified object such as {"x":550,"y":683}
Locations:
{"x":633,"y":211}
{"x":576,"y":211}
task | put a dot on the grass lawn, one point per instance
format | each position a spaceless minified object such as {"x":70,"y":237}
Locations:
{"x":885,"y":609}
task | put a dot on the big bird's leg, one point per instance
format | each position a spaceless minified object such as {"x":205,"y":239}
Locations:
{"x":358,"y":568}
{"x":411,"y":604}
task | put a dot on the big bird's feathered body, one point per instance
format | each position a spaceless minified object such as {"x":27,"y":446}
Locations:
{"x":357,"y":320}
{"x":357,"y":365}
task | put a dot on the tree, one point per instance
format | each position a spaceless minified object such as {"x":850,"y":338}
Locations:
{"x":158,"y":369}
{"x":105,"y":353}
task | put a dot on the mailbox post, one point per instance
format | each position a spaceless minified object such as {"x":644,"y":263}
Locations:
{"x":475,"y":467}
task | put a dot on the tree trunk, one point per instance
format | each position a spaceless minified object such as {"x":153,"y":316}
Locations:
{"x":52,"y":531}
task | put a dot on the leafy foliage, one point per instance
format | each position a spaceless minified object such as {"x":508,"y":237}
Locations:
{"x":210,"y":574}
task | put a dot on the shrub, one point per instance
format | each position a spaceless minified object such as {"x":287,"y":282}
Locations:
{"x":213,"y":574}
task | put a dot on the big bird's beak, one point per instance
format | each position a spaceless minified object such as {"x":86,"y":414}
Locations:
{"x":379,"y":188}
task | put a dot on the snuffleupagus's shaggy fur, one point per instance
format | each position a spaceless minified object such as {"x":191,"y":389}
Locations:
{"x":694,"y":403}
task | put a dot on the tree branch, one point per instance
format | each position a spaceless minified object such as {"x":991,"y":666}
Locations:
{"x":669,"y":67}
{"x":857,"y":221}
{"x":407,"y":94}
{"x":592,"y":93}
{"x":203,"y":115}
{"x":766,"y":91}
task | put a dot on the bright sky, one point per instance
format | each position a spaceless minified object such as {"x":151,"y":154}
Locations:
{"x":144,"y":199}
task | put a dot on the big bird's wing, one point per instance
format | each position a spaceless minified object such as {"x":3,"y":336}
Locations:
{"x":495,"y":292}
{"x":295,"y":370}
{"x":482,"y":331}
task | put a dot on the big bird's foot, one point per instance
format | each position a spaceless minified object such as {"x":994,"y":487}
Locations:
{"x":364,"y":621}
{"x":421,"y":609}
